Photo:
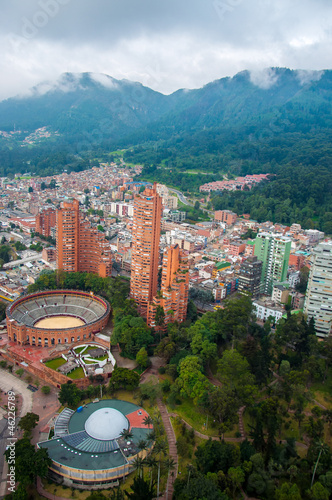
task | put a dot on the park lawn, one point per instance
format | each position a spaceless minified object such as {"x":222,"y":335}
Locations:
{"x":77,"y":373}
{"x":291,"y":432}
{"x":55,"y":363}
{"x":323,"y":391}
{"x":293,"y":429}
{"x":63,"y":492}
{"x":124,"y":396}
{"x":193,"y":416}
{"x":183,"y":462}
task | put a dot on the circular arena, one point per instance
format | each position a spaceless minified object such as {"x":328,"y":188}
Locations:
{"x":56,"y":317}
{"x":97,"y":444}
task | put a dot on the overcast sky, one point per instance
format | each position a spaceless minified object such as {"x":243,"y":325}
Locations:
{"x":165,"y":45}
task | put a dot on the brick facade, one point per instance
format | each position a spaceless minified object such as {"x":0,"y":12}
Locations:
{"x":24,"y":334}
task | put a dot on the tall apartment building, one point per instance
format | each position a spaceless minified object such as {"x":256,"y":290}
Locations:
{"x":273,"y":251}
{"x":79,"y":246}
{"x":318,"y":301}
{"x":173,"y":295}
{"x":250,"y":276}
{"x":145,"y":248}
{"x":45,"y":221}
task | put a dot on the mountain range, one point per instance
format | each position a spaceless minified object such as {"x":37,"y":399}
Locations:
{"x":119,"y":110}
{"x":278,"y":121}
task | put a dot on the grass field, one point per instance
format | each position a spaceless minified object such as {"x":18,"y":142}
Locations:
{"x":79,"y":349}
{"x":185,"y":461}
{"x":77,"y":373}
{"x":55,"y":363}
{"x":194,"y":416}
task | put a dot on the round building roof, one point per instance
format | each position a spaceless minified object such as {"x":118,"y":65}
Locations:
{"x":106,"y":424}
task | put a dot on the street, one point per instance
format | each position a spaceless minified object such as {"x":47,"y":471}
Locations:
{"x":9,"y":382}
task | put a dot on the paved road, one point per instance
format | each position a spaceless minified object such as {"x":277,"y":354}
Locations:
{"x":181,"y":196}
{"x":15,"y":263}
{"x":9,"y":382}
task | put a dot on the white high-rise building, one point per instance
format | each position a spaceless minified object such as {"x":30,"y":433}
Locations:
{"x":318,"y":301}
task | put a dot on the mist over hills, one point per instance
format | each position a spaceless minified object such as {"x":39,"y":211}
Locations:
{"x":276,"y":121}
{"x":79,"y":103}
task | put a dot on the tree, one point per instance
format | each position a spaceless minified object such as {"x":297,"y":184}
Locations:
{"x":301,"y":286}
{"x":213,"y":456}
{"x":191,"y":381}
{"x":160,"y":448}
{"x":234,"y":373}
{"x":160,"y":318}
{"x":322,"y":448}
{"x":96,"y":495}
{"x":123,"y":378}
{"x":28,"y":422}
{"x":46,"y":389}
{"x":237,"y":478}
{"x":221,"y":405}
{"x":142,"y":358}
{"x":30,"y":190}
{"x":141,"y":490}
{"x":147,"y":420}
{"x":199,"y":487}
{"x":126,"y":434}
{"x":288,"y":491}
{"x":318,"y":492}
{"x":29,"y":462}
{"x":70,"y":394}
{"x":201,"y":296}
{"x":20,"y":372}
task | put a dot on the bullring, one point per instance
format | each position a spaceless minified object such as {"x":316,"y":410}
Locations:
{"x":56,"y":317}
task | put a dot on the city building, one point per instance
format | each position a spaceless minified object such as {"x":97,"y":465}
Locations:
{"x":173,"y":295}
{"x":225,"y":216}
{"x":273,"y":251}
{"x":80,"y":246}
{"x":266,"y":309}
{"x":145,"y":248}
{"x":46,"y":221}
{"x":88,"y":449}
{"x":250,"y":276}
{"x":297,"y":300}
{"x":280,"y":294}
{"x":318,"y":301}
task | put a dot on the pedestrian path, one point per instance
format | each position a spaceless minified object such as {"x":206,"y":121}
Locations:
{"x":172,"y":449}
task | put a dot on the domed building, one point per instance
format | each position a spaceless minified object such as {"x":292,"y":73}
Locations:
{"x":95,"y":445}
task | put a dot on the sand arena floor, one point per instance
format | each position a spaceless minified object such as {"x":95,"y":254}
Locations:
{"x":58,"y":322}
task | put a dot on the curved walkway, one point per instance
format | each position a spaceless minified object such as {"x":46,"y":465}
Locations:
{"x":45,"y":493}
{"x":8,"y":382}
{"x":172,"y":449}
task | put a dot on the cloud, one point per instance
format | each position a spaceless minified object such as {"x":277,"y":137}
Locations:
{"x":104,"y":80}
{"x":164,"y":45}
{"x":264,"y":78}
{"x":307,"y":76}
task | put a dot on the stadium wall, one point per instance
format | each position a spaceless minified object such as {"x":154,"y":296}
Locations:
{"x":23,"y":334}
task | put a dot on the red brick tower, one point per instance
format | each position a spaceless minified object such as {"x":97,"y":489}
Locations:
{"x":79,"y":246}
{"x":145,"y":249}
